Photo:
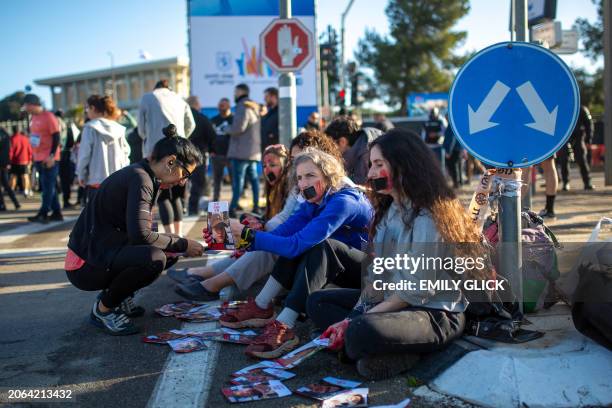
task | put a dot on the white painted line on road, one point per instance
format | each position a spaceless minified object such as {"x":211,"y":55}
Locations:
{"x":29,"y":252}
{"x":187,"y":377}
{"x":14,"y":234}
{"x":7,"y":290}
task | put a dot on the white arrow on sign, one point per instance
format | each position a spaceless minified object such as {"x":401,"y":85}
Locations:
{"x":545,"y":121}
{"x":480,"y":120}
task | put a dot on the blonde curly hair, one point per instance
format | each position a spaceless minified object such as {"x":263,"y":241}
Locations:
{"x":332,"y":169}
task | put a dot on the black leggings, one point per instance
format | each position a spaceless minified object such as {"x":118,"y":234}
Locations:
{"x":4,"y":180}
{"x":410,"y":330}
{"x":170,"y":205}
{"x":133,"y":268}
{"x":331,"y":261}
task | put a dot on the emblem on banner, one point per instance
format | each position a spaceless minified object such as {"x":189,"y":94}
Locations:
{"x":224,"y":60}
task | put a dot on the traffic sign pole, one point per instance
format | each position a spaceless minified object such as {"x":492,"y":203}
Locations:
{"x":513,"y":105}
{"x":287,"y":123}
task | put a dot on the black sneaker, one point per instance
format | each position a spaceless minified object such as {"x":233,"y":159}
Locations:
{"x":566,"y":187}
{"x":41,"y":218}
{"x":194,"y":290}
{"x":385,"y":365}
{"x":56,"y":216}
{"x":181,"y":275}
{"x":114,"y":322}
{"x":589,"y":187}
{"x":545,"y":213}
{"x":130,"y":309}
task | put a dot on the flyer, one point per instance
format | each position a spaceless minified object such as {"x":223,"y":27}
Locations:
{"x":218,"y":224}
{"x":256,"y":392}
{"x":357,"y":397}
{"x":298,"y":355}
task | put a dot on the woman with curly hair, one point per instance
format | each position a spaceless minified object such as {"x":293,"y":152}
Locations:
{"x":417,"y":214}
{"x":205,"y":283}
{"x":318,"y":245}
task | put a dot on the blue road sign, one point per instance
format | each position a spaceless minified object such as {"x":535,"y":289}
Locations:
{"x":514,"y":104}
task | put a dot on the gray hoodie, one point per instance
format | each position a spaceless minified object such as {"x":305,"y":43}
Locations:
{"x":157,"y":110}
{"x":245,"y":135}
{"x":103,"y":150}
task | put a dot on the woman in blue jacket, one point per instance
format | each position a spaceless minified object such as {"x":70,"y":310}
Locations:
{"x":317,"y":245}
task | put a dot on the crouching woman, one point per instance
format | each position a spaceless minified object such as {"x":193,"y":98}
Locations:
{"x":112,"y":247}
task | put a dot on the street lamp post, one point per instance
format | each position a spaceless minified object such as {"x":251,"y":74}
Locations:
{"x":112,"y":65}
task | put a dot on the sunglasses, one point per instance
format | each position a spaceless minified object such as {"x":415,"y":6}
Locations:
{"x":187,"y":172}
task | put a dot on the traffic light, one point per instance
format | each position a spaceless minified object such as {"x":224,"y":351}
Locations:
{"x":341,"y":98}
{"x":356,"y":79}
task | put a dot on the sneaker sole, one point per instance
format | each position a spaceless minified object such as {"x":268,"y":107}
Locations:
{"x":282,"y":350}
{"x":251,"y":323}
{"x":101,"y":325}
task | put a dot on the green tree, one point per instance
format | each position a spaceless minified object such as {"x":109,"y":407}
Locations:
{"x":592,"y":34}
{"x":591,"y":89}
{"x":10,"y":106}
{"x":418,"y":55}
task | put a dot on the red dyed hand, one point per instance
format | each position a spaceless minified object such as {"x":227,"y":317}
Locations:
{"x":237,"y":253}
{"x":207,"y":236}
{"x":335,"y":333}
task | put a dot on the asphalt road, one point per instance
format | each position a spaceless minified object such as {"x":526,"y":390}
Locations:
{"x":47,"y":341}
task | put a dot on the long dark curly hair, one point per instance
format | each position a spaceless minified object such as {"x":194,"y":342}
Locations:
{"x":419,"y":180}
{"x":277,"y":194}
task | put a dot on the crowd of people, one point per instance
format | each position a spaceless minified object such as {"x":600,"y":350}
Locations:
{"x":338,"y":196}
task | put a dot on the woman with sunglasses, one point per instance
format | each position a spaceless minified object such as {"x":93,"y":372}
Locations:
{"x":112,"y":247}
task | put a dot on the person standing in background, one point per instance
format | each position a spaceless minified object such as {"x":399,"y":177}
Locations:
{"x":203,"y":138}
{"x":103,"y":149}
{"x":21,"y":160}
{"x":218,"y":154}
{"x":578,"y":141}
{"x":314,"y":121}
{"x":382,"y":123}
{"x":45,"y":140}
{"x":158,"y":109}
{"x":269,"y":121}
{"x":5,"y":153}
{"x":66,"y":166}
{"x":244,"y":146}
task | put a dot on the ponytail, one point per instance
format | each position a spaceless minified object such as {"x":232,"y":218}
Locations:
{"x":172,"y":144}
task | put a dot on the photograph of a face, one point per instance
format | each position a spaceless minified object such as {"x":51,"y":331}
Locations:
{"x":219,"y":226}
{"x":255,"y":392}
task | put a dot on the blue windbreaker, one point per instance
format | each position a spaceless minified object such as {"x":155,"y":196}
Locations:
{"x":343,"y":215}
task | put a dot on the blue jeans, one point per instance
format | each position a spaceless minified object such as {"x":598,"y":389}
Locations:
{"x":48,"y":181}
{"x":241,"y":169}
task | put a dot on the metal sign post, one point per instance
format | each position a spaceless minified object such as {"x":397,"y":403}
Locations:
{"x":513,"y":105}
{"x":287,"y":46}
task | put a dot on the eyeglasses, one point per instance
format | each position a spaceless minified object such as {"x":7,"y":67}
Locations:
{"x":187,"y":172}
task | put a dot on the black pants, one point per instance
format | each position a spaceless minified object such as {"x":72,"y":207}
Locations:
{"x":331,"y":261}
{"x":170,"y":205}
{"x":6,"y":186}
{"x":66,"y":176}
{"x":219,"y":163}
{"x":198,"y":187}
{"x":133,"y":268}
{"x":580,"y":156}
{"x":453,"y":164}
{"x":410,"y":330}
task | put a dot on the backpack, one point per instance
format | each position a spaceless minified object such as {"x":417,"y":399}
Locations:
{"x":540,"y":264}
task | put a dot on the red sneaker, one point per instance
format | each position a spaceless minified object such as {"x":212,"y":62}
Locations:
{"x":276,"y":340}
{"x":247,"y":315}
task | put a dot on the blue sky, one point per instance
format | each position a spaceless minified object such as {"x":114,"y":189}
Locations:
{"x":47,"y":38}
